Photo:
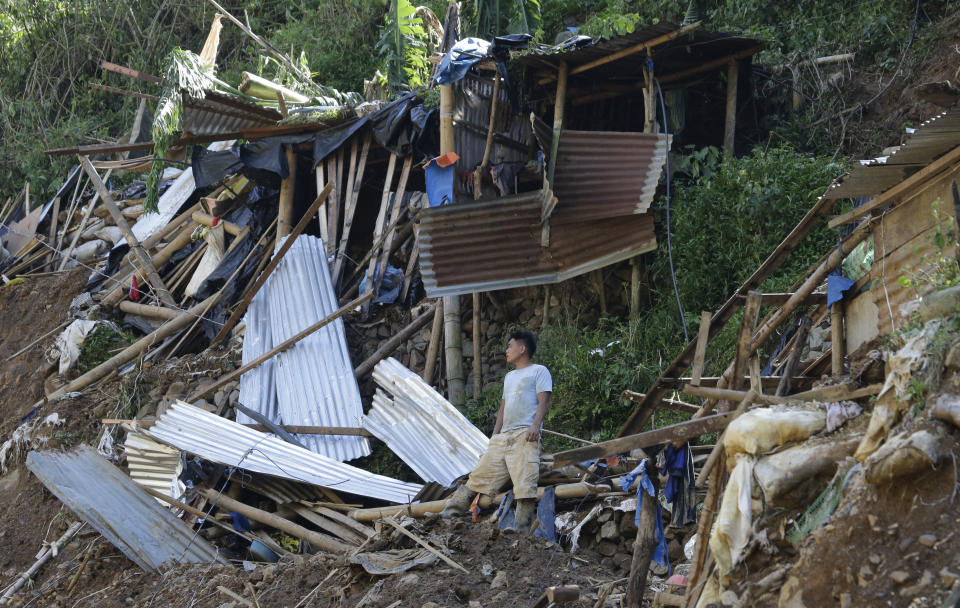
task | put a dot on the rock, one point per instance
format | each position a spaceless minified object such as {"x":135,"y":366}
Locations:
{"x":948,"y":577}
{"x":474,"y":604}
{"x":176,"y":390}
{"x":623,"y":561}
{"x":416,"y":360}
{"x":846,"y":601}
{"x":204,"y":404}
{"x":430,"y":605}
{"x":607,"y":548}
{"x":899,"y":576}
{"x":486,"y":569}
{"x":952,"y":360}
{"x":927,"y":540}
{"x":628,"y":526}
{"x":864,"y":575}
{"x":875,"y":559}
{"x":500,"y":580}
{"x":527,"y":580}
{"x":219,"y":398}
{"x":234,"y":398}
{"x":604,"y":515}
{"x":53,"y":383}
{"x":409,"y":579}
{"x":729,"y":598}
{"x":905,"y":543}
{"x":913,"y":590}
{"x":609,"y":530}
{"x":872,"y":519}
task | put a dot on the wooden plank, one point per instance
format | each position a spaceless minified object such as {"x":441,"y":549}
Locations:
{"x":271,"y":266}
{"x":353,"y":194}
{"x":335,"y":528}
{"x":380,"y":235}
{"x":145,"y":262}
{"x":279,"y":348}
{"x":730,"y":118}
{"x":711,"y":65}
{"x":703,"y":336}
{"x":837,"y":342}
{"x":904,"y":188}
{"x":727,"y":394}
{"x":394,"y":217}
{"x":333,"y":211}
{"x":779,"y":299}
{"x":667,"y":404}
{"x":682,"y":431}
{"x":288,"y":188}
{"x":83,"y":222}
{"x":433,"y":348}
{"x":366,"y":531}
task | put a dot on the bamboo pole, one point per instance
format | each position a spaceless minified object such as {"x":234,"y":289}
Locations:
{"x":378,"y":273}
{"x":284,"y":248}
{"x":151,"y":312}
{"x":288,"y":188}
{"x":28,"y":346}
{"x":44,"y":557}
{"x":83,"y":222}
{"x":430,"y":364}
{"x":350,"y":206}
{"x":316,"y":539}
{"x":146,"y":264}
{"x":477,"y":366}
{"x":838,"y":347}
{"x":800,"y":340}
{"x":207,"y":220}
{"x":558,"y":115}
{"x":451,"y":304}
{"x":279,"y":348}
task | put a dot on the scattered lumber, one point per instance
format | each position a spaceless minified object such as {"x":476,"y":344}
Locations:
{"x":557,"y":595}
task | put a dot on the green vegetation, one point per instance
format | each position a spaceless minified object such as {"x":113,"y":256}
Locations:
{"x":99,"y":346}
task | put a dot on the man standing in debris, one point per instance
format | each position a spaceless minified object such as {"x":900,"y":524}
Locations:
{"x":514,"y":450}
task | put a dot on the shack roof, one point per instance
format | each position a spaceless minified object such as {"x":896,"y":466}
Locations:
{"x":685,"y":51}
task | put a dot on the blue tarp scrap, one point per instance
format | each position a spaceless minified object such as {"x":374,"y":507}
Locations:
{"x":464,"y":54}
{"x":645,"y":487}
{"x":546,"y":512}
{"x":837,"y":286}
{"x":439,"y":184}
{"x":389,"y":287}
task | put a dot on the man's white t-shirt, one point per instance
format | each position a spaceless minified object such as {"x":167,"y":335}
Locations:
{"x":520,"y":388}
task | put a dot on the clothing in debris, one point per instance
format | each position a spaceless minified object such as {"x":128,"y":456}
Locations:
{"x":520,"y":388}
{"x":509,"y":457}
{"x":646,"y":489}
{"x":680,"y":490}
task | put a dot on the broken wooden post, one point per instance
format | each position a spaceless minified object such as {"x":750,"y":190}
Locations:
{"x":430,"y":364}
{"x":271,"y":266}
{"x":451,"y":304}
{"x":376,"y":279}
{"x":287,"y":189}
{"x":643,"y":546}
{"x":799,"y":342}
{"x":837,"y":345}
{"x":353,"y":195}
{"x":714,"y":456}
{"x":703,"y":336}
{"x":488,"y":146}
{"x":121,"y":222}
{"x":321,"y":541}
{"x":751,"y":312}
{"x":391,"y":345}
{"x":730,"y":119}
{"x":634,"y":289}
{"x":558,"y":111}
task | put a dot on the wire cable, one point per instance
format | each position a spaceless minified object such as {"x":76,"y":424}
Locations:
{"x":913,"y":36}
{"x":666,"y":151}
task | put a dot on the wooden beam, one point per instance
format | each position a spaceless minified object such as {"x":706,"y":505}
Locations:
{"x":433,"y":348}
{"x":711,"y":65}
{"x":631,"y":50}
{"x":207,"y":220}
{"x":837,"y":340}
{"x":559,"y":103}
{"x":350,"y":204}
{"x":271,"y":266}
{"x":779,"y":299}
{"x":751,"y":312}
{"x":800,"y":341}
{"x":667,"y":404}
{"x":279,"y":348}
{"x":145,"y":262}
{"x":727,"y":394}
{"x":730,"y":118}
{"x":376,"y":278}
{"x":682,"y":431}
{"x":288,"y":189}
{"x":644,"y":545}
{"x":393,"y":343}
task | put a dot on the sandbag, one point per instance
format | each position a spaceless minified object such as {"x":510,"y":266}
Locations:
{"x":89,"y":250}
{"x":946,"y":408}
{"x":902,"y":455}
{"x":111,"y":234}
{"x":763,"y":429}
{"x":90,"y":230}
{"x":733,"y":528}
{"x":781,"y":473}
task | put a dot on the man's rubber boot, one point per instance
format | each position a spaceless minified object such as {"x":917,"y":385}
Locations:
{"x":458,"y":502}
{"x":526,"y":510}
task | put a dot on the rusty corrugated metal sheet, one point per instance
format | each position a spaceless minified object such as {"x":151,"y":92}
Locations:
{"x":119,"y":509}
{"x":871,"y":177}
{"x":220,"y":113}
{"x":488,"y":245}
{"x":602,"y":174}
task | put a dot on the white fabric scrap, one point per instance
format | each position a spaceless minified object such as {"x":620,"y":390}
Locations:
{"x":838,"y":412}
{"x":69,"y":342}
{"x":733,"y":528}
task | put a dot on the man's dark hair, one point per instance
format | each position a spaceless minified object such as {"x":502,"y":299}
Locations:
{"x":528,"y":339}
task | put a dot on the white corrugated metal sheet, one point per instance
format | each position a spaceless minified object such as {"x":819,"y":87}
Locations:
{"x":422,"y":427}
{"x":119,"y":509}
{"x":154,"y":465}
{"x":314,"y":381}
{"x":209,"y":436}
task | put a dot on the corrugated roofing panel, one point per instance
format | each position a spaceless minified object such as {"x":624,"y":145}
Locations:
{"x":495,"y":244}
{"x":313,"y":380}
{"x":209,"y":436}
{"x":154,"y":465}
{"x":931,"y":140}
{"x":221,"y":113}
{"x":282,"y":491}
{"x":603,"y":174}
{"x":119,"y":509}
{"x":421,"y":427}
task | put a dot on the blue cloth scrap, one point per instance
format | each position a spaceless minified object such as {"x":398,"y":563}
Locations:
{"x":439,"y":184}
{"x":240,"y":522}
{"x":837,"y":285}
{"x":680,"y":491}
{"x":660,"y":554}
{"x":389,"y":287}
{"x":546,"y":513}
